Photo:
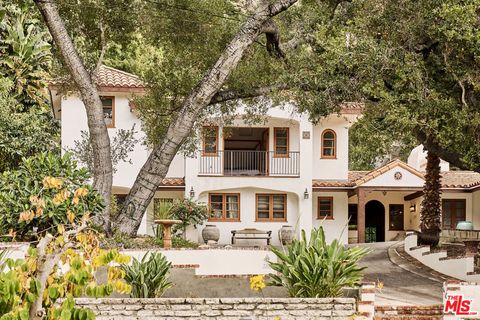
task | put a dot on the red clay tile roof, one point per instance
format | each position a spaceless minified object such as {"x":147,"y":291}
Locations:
{"x":111,"y":77}
{"x":351,"y":108}
{"x":450,"y":179}
{"x":460,"y":179}
{"x":173,"y":182}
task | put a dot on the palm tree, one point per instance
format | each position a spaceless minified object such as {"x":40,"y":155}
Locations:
{"x":431,"y":213}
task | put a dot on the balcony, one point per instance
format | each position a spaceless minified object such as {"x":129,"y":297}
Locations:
{"x":249,"y":163}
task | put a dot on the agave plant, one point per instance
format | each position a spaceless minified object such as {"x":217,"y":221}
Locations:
{"x":315,"y":269}
{"x":148,"y":277}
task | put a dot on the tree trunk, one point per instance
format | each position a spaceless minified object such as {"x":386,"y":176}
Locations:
{"x":99,"y":139}
{"x":431,"y":213}
{"x":156,"y":167}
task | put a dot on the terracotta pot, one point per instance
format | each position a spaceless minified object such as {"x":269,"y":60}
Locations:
{"x":210,"y":233}
{"x":286,"y":234}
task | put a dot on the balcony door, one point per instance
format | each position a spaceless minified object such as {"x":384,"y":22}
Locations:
{"x":245,"y":151}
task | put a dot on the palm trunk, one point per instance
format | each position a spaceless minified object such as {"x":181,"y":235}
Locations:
{"x":156,"y":167}
{"x":100,"y":142}
{"x":431,"y":213}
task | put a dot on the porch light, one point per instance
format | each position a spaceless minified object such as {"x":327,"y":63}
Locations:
{"x":413,"y":208}
{"x":192,"y":193}
{"x":305,"y":194}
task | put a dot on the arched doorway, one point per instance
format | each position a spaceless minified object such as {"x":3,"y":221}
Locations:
{"x":374,"y":221}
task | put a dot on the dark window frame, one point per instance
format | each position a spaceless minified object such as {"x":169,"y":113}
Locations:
{"x":204,"y":139}
{"x":333,"y":147}
{"x":275,"y":143}
{"x":102,"y":98}
{"x":321,"y":215}
{"x":453,"y":214}
{"x":271,"y":218}
{"x":391,"y":208}
{"x":224,"y":207}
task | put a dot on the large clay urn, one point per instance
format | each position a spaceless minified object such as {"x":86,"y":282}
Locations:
{"x":210,"y":233}
{"x":286,"y":234}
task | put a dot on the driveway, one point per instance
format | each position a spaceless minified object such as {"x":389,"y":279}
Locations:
{"x":400,"y":287}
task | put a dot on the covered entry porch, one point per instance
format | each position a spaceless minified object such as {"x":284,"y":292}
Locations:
{"x":382,"y":214}
{"x":383,"y":202}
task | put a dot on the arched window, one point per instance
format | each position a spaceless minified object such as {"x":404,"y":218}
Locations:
{"x":329,"y":144}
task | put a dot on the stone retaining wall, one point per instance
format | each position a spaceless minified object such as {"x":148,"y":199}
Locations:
{"x":221,"y":309}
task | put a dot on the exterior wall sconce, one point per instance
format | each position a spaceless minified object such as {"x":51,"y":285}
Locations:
{"x":192,"y":193}
{"x":305,"y":194}
{"x":413,"y":208}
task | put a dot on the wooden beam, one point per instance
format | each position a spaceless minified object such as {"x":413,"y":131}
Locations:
{"x":412,"y":196}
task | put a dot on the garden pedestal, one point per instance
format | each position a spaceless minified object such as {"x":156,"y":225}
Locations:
{"x":167,"y":231}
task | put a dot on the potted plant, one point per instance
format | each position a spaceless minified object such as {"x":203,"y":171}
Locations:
{"x":189,"y":213}
{"x":163,"y":218}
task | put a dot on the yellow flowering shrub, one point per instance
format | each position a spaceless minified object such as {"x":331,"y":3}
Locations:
{"x":20,"y":281}
{"x":257,"y":283}
{"x":45,"y":191}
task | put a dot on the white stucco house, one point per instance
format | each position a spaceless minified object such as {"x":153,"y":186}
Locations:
{"x":284,"y":171}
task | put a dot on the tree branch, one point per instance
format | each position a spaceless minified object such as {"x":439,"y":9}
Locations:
{"x":46,"y":263}
{"x":103,"y":48}
{"x":452,"y":157}
{"x":102,"y":161}
{"x":156,"y":167}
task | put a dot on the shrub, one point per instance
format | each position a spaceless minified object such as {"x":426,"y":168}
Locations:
{"x":177,"y":242}
{"x":37,"y":286}
{"x":189,"y":212}
{"x":315,"y":269}
{"x":46,"y":191}
{"x":148,"y":277}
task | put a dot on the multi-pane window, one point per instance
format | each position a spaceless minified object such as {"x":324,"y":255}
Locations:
{"x":396,"y":217}
{"x":210,"y":140}
{"x":453,"y":211}
{"x":224,"y":206}
{"x":325,"y":208}
{"x":271,"y":207}
{"x":329,"y":144}
{"x":281,"y":142}
{"x":108,"y":104}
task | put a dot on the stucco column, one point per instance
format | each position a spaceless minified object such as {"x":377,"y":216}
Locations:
{"x":305,"y":221}
{"x":361,"y":215}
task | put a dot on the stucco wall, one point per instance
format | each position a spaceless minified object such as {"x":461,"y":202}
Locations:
{"x":74,"y":120}
{"x":247,"y":216}
{"x":224,"y":308}
{"x":460,"y":268}
{"x":331,"y":168}
{"x":336,"y":228}
{"x":217,"y":261}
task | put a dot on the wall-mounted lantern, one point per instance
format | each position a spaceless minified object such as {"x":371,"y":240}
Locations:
{"x":192,"y":193}
{"x":305,"y":194}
